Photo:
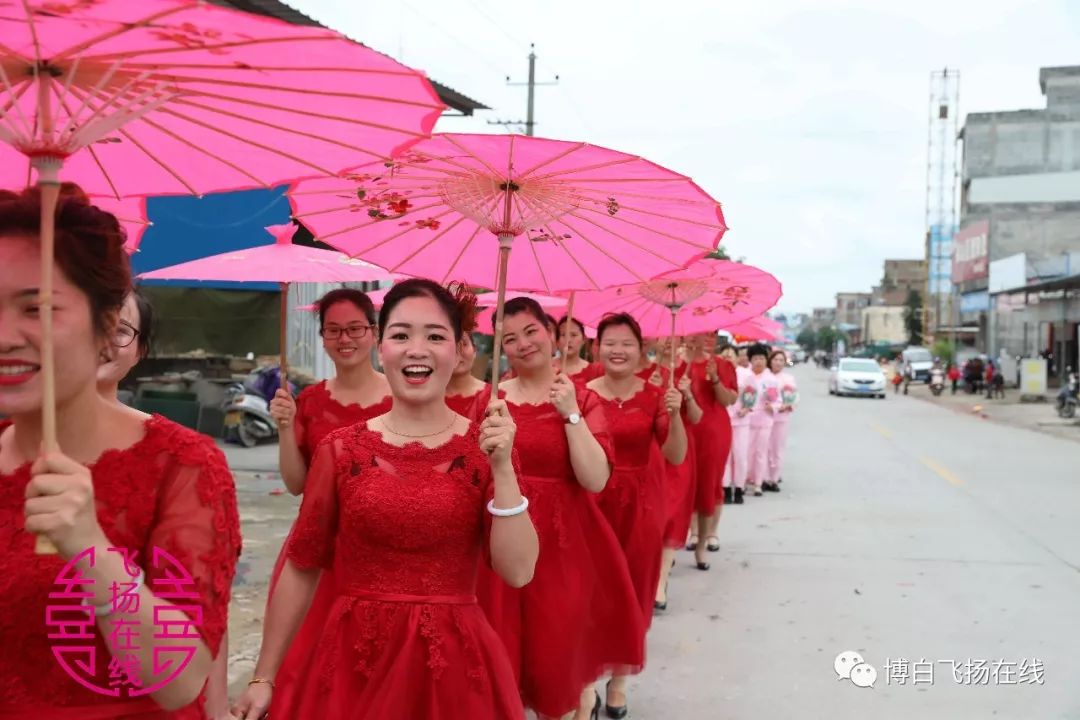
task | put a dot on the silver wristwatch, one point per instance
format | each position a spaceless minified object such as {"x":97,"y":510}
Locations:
{"x":573,"y":418}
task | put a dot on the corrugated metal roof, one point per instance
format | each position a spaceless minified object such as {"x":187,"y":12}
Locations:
{"x":281,"y":11}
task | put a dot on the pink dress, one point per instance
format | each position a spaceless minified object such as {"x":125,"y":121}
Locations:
{"x":789,"y":397}
{"x":171,"y":490}
{"x":406,"y":529}
{"x":761,"y":422}
{"x":738,"y":468}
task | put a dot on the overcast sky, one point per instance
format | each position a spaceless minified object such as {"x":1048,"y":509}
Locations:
{"x":807,"y":120}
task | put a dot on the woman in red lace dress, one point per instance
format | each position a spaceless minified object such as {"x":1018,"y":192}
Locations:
{"x":122,"y":480}
{"x":571,"y":332}
{"x":400,"y":500}
{"x":465,"y":393}
{"x":579,"y":615}
{"x":714,"y":387}
{"x":356,"y":394}
{"x":646,"y":430}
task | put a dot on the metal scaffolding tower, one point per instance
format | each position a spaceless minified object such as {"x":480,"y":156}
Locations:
{"x":942,"y":198}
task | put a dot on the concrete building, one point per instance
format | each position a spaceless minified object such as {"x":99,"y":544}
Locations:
{"x":899,"y":277}
{"x":849,"y":307}
{"x":823,"y":317}
{"x":1021,"y":196}
{"x":883,"y":324}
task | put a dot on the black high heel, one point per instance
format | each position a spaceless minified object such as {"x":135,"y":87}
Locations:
{"x":702,"y":565}
{"x":657,"y":605}
{"x":614,"y":712}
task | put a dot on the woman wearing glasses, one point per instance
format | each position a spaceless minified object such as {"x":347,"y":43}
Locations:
{"x":355,"y":394}
{"x":130,"y":346}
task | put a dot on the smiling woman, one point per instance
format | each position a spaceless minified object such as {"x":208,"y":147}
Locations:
{"x":396,"y":505}
{"x":124,"y":482}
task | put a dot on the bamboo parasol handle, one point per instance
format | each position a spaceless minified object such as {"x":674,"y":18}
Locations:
{"x":566,"y":337}
{"x":50,"y":193}
{"x":505,"y":241}
{"x":283,"y":340}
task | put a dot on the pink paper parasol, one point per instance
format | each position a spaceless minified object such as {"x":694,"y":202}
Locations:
{"x":282,"y":262}
{"x":490,"y":302}
{"x":178,"y":96}
{"x":131,"y":212}
{"x":756,"y":328}
{"x":701,"y":298}
{"x":585,"y":216}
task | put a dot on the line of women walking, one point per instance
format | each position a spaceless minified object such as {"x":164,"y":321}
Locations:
{"x":613,"y":459}
{"x":443,"y":564}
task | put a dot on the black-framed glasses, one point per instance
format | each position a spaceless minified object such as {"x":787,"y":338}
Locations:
{"x":356,"y":332}
{"x":125,"y":335}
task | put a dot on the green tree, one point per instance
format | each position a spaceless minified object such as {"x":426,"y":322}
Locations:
{"x":808,"y":340}
{"x":913,"y":317}
{"x":718,"y":254}
{"x":944,"y":349}
{"x":827,"y":337}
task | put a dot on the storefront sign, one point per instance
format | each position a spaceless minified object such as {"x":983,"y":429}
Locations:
{"x":975,"y":302}
{"x":971,"y":253}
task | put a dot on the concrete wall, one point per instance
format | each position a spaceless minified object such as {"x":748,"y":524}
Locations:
{"x":849,"y":307}
{"x":883,"y":324}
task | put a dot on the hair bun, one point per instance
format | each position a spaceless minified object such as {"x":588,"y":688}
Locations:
{"x":467,"y":304}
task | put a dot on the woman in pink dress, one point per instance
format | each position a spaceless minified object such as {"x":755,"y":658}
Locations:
{"x":738,"y":468}
{"x":406,"y":506}
{"x":765,"y":409}
{"x":646,"y":430}
{"x":789,"y":397}
{"x":579,"y":617}
{"x":141,"y":486}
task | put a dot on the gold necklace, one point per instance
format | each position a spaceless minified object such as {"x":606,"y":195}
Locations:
{"x":392,"y":431}
{"x":616,"y":398}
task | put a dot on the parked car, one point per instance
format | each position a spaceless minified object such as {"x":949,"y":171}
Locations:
{"x":917,"y":362}
{"x":857,"y":376}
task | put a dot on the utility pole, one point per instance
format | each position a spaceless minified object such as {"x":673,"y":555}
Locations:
{"x":530,"y":117}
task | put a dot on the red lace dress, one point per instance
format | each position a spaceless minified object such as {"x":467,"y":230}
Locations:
{"x":171,"y":490}
{"x":590,"y":372}
{"x":680,"y":484}
{"x":317,"y":415}
{"x":633,"y":501}
{"x":681,"y":481}
{"x":579,"y":615}
{"x":404,"y":638}
{"x":469,"y":405}
{"x":712,"y":434}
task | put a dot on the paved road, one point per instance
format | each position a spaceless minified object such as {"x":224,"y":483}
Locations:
{"x":905,"y":530}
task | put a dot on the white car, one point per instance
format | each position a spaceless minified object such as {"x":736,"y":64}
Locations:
{"x":857,"y":376}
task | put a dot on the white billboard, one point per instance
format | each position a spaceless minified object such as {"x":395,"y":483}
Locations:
{"x":1008,"y":273}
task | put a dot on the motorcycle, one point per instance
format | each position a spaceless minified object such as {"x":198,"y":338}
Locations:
{"x":937,"y":381}
{"x":1067,"y":398}
{"x":247,"y":408}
